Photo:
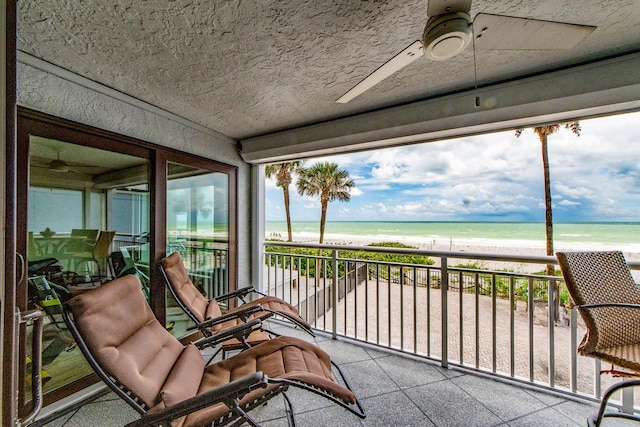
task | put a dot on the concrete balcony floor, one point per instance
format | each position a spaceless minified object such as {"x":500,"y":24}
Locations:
{"x":395,"y":391}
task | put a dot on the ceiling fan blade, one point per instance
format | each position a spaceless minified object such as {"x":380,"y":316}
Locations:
{"x":438,"y":7}
{"x":498,"y":32}
{"x":77,"y":172}
{"x":398,"y":62}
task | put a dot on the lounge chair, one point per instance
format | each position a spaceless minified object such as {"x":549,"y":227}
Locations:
{"x":208,"y":315}
{"x":169,"y":384}
{"x":601,"y":287}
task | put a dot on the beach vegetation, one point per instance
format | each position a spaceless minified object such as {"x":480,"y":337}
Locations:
{"x":327,"y":180}
{"x":304,"y":260}
{"x":283,"y":173}
{"x":413,"y":270}
{"x":470,"y":266}
{"x":390,"y":257}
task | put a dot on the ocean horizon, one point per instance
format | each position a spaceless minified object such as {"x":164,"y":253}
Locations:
{"x":587,"y":233}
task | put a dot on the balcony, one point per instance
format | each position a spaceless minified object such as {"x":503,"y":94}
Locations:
{"x":445,"y":344}
{"x":396,"y":389}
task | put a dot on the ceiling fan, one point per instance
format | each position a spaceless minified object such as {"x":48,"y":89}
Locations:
{"x":450,"y":30}
{"x":57,"y":165}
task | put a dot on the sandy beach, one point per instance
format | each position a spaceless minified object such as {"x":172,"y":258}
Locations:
{"x":389,"y":314}
{"x":485,"y":246}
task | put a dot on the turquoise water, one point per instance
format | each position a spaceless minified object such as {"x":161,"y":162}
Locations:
{"x":627,"y":233}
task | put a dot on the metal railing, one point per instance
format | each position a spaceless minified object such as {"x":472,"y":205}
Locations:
{"x":206,"y":259}
{"x":454,"y":311}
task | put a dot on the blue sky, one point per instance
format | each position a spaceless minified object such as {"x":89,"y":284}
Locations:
{"x":493,"y":177}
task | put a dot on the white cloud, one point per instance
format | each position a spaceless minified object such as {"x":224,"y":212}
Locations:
{"x":496,"y":174}
{"x":573,"y":192}
{"x":566,"y":202}
{"x":355,"y":192}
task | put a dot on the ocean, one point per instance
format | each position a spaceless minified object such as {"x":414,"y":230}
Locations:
{"x":625,"y":234}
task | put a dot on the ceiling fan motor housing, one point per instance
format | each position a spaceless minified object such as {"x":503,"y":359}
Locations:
{"x":446,"y":35}
{"x":58,"y":165}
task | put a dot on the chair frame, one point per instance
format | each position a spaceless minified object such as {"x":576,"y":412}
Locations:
{"x":243,"y":314}
{"x":241,"y":338}
{"x":592,"y":335}
{"x":229,"y":394}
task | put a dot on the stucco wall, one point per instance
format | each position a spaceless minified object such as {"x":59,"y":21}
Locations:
{"x":51,"y":94}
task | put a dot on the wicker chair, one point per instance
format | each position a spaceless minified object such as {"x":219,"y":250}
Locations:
{"x":601,"y":287}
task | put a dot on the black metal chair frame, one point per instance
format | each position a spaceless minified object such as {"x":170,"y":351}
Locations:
{"x":243,"y":314}
{"x":229,"y":393}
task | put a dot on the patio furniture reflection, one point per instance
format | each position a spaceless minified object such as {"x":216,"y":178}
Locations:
{"x":98,"y":255}
{"x":82,"y":245}
{"x":55,"y":245}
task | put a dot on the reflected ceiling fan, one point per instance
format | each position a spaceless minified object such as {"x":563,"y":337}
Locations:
{"x":58,"y":165}
{"x":450,"y":29}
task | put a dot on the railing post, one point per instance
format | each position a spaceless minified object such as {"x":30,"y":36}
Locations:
{"x":334,"y":293}
{"x":627,"y":399}
{"x":444,"y":288}
{"x":551,"y":325}
{"x":574,"y":350}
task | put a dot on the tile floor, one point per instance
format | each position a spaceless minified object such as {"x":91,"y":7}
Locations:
{"x":395,"y":391}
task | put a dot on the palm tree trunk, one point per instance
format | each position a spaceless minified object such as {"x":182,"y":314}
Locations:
{"x":323,"y":218}
{"x":549,"y":224}
{"x":547,"y":198}
{"x":285,"y":191}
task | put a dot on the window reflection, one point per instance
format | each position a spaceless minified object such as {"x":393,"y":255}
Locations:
{"x":198,"y":228}
{"x":87,"y":222}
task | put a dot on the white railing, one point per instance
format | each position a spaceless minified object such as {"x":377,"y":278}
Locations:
{"x":454,"y":311}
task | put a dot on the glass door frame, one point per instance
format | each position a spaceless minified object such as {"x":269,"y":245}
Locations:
{"x":31,"y":122}
{"x":39,"y":124}
{"x":162,"y":164}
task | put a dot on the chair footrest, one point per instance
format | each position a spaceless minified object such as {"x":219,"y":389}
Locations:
{"x":256,"y":337}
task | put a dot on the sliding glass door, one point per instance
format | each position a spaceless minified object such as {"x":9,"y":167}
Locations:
{"x":87,"y":223}
{"x":198,"y":228}
{"x":94,"y":206}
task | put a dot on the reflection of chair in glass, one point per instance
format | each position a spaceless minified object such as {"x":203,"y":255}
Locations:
{"x":123,"y":264}
{"x":44,"y":294}
{"x":82,"y":240}
{"x":47,"y":267}
{"x":207,"y":313}
{"x":167,"y":382}
{"x":99,"y":255}
{"x":608,"y":300}
{"x":79,"y":244}
{"x":90,"y":234}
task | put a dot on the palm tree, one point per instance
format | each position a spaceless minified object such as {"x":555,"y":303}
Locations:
{"x":283,"y":173}
{"x":328,"y":181}
{"x":543,"y":132}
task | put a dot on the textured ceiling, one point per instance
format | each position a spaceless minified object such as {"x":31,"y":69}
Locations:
{"x":246,"y":68}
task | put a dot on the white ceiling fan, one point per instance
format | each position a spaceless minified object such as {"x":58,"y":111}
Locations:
{"x":450,"y":29}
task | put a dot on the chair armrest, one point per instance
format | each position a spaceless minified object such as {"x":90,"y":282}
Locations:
{"x":229,"y":392}
{"x":237,"y":314}
{"x":238,"y":293}
{"x":609,"y":304}
{"x":240,"y":332}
